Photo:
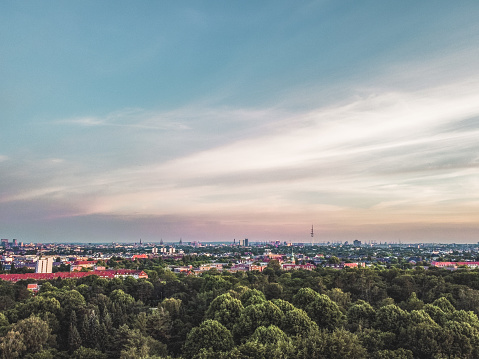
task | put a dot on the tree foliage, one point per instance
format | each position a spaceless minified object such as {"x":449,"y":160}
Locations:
{"x":360,"y":313}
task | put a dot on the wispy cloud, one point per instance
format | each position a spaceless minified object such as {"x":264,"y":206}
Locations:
{"x":128,"y":118}
{"x":391,"y":157}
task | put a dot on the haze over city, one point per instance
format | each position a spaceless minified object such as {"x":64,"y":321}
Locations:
{"x":209,"y":121}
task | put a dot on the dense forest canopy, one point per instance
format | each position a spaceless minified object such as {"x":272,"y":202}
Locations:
{"x":325,"y":313}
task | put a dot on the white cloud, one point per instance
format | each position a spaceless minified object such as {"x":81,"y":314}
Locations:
{"x":392,"y":157}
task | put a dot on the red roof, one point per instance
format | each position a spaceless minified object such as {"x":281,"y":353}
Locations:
{"x":84,"y":262}
{"x":110,"y":273}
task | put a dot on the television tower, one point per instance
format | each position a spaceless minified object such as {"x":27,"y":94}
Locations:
{"x":312,"y":233}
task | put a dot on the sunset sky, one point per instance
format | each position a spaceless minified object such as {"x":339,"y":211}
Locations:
{"x":214,"y":120}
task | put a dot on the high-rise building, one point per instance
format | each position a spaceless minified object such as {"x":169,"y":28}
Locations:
{"x":15,"y":243}
{"x":246,"y":242}
{"x":5,"y":242}
{"x":44,"y":265}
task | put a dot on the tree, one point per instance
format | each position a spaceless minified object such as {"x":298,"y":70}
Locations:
{"x":436,"y":313}
{"x":88,"y":353}
{"x":297,"y":323}
{"x":12,"y":345}
{"x":252,"y":296}
{"x":444,"y":305}
{"x":38,"y":305}
{"x":3,"y":320}
{"x":143,"y":290}
{"x":342,"y":299}
{"x":413,"y":303}
{"x":35,"y":333}
{"x":254,"y":316}
{"x":140,"y":346}
{"x":374,"y":340}
{"x":325,"y":312}
{"x":391,"y":318}
{"x":283,"y":305}
{"x":361,"y":315}
{"x":159,"y":324}
{"x":393,"y":354}
{"x":172,"y":306}
{"x":333,"y":260}
{"x":425,"y":340}
{"x":274,"y":265}
{"x":225,"y":309}
{"x":120,"y":297}
{"x":339,"y":344}
{"x":268,"y":343}
{"x":217,"y":284}
{"x":463,"y":340}
{"x":305,"y":297}
{"x":273,"y":291}
{"x":210,"y":335}
{"x":74,"y":339}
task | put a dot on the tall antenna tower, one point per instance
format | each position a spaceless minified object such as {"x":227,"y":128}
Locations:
{"x":312,"y":233}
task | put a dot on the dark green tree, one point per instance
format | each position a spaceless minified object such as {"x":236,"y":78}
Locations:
{"x":210,"y":335}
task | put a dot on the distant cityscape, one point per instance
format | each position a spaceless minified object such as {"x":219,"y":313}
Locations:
{"x":237,"y":255}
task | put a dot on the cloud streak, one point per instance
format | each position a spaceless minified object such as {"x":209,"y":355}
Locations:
{"x":397,"y":157}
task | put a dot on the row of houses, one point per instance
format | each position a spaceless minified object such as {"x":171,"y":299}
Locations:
{"x":239,"y":267}
{"x":108,"y":273}
{"x":455,"y":265}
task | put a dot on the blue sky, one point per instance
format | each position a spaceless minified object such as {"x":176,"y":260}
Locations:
{"x":209,"y":120}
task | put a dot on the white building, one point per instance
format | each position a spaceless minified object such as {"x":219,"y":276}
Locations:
{"x":44,"y":265}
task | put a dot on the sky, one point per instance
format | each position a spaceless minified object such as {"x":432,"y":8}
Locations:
{"x":221,"y":120}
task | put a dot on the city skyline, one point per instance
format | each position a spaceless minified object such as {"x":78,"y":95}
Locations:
{"x":212,"y":121}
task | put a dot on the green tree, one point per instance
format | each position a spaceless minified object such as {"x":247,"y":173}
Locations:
{"x":140,"y":346}
{"x":159,"y":325}
{"x":254,"y":316}
{"x":172,"y":306}
{"x":3,"y":320}
{"x":268,"y":343}
{"x":413,"y":303}
{"x":88,"y":353}
{"x":342,"y":344}
{"x":120,"y":297}
{"x":325,"y":312}
{"x":391,"y":318}
{"x":273,"y":291}
{"x":210,"y":335}
{"x":444,"y":305}
{"x":252,"y":296}
{"x":305,"y":297}
{"x":374,"y":340}
{"x":297,"y":323}
{"x":283,"y":305}
{"x":342,"y":299}
{"x":425,"y":340}
{"x":463,"y":340}
{"x":339,"y":344}
{"x":361,"y":315}
{"x":12,"y":345}
{"x":35,"y":333}
{"x":393,"y":354}
{"x":74,"y":339}
{"x":143,"y":290}
{"x":274,"y":265}
{"x":225,"y":309}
